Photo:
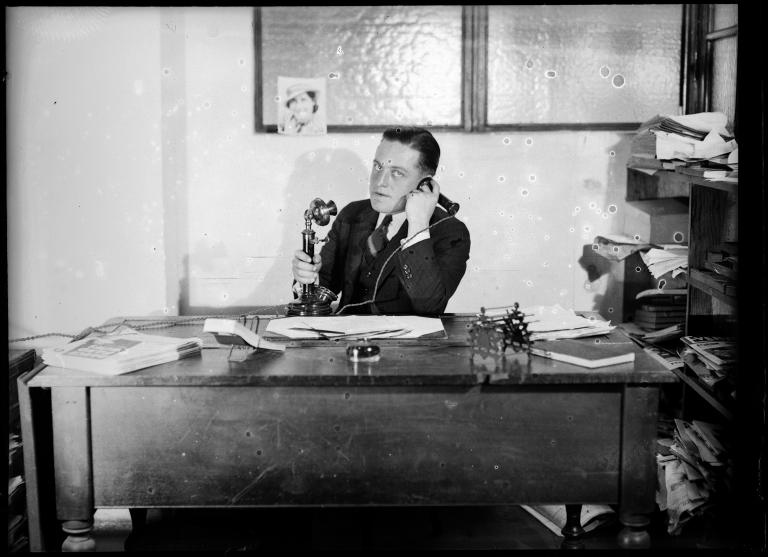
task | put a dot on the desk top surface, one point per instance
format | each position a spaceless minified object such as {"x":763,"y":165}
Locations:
{"x":427,"y":362}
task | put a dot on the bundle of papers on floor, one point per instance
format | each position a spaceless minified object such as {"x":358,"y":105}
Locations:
{"x":670,"y":141}
{"x":554,"y":322}
{"x":121,"y":351}
{"x":696,"y":467}
{"x":670,"y":258}
{"x":554,"y":517}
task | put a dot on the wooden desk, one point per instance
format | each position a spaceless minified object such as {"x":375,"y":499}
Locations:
{"x":425,"y":425}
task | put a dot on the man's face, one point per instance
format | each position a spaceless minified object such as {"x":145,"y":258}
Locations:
{"x":394,"y":174}
{"x":302,"y":107}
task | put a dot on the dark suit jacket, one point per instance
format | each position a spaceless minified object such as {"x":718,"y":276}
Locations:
{"x":417,"y":280}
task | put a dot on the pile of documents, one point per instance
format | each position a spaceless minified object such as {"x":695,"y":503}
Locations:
{"x":121,"y":351}
{"x":668,"y":258}
{"x":713,"y":359}
{"x":694,"y":140}
{"x":555,"y":322}
{"x":696,"y":466}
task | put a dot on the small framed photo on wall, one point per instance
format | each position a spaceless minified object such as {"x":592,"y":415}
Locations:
{"x":301,"y":106}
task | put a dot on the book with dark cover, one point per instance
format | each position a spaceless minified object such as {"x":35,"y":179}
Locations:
{"x":658,"y":315}
{"x":590,"y":353}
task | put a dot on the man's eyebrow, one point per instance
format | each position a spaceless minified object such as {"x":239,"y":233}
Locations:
{"x":395,"y":167}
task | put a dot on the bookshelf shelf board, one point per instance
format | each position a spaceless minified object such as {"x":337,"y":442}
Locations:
{"x":705,"y":392}
{"x":730,"y":187}
{"x":713,"y":289}
{"x":669,"y":183}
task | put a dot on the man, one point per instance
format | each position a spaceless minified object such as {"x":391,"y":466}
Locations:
{"x":422,"y":276}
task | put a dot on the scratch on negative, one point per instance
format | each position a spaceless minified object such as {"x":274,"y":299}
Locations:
{"x":208,"y":425}
{"x":251,"y":485}
{"x":184,"y":436}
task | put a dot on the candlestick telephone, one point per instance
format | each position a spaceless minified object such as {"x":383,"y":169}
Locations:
{"x":316,"y":300}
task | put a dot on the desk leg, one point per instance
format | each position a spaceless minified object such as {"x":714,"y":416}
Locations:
{"x":572,"y":531}
{"x":638,"y":464}
{"x":73,"y":471}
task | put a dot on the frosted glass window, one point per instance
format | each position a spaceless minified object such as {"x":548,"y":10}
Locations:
{"x":572,"y":64}
{"x":382,"y":64}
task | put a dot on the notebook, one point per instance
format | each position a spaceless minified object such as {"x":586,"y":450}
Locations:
{"x":590,"y":353}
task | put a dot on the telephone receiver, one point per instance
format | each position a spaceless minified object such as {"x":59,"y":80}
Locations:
{"x":451,"y":207}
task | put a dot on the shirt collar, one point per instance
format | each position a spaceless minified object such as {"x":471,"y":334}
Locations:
{"x":397,"y":221}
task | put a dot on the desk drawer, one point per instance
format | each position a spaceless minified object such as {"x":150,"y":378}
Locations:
{"x":251,"y":446}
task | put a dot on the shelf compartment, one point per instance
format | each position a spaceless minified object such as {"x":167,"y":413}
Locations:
{"x":714,"y":285}
{"x":688,"y":376}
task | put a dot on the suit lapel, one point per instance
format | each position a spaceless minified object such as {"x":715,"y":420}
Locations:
{"x":361,"y":227}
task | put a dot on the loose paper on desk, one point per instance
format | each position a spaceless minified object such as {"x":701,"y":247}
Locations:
{"x":554,"y":322}
{"x":224,"y":328}
{"x":357,"y":326}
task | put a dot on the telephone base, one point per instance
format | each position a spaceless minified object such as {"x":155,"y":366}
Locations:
{"x":305,"y":307}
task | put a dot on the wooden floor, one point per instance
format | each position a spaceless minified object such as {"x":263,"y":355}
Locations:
{"x":363,"y":529}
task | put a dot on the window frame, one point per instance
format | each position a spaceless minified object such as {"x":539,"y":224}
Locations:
{"x":699,"y":36}
{"x":474,"y":93}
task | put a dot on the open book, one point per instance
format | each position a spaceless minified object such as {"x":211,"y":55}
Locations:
{"x":553,"y":516}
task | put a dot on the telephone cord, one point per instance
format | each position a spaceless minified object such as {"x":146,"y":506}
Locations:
{"x":145,"y":324}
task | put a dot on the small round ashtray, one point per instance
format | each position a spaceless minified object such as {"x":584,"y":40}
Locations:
{"x":363,"y":353}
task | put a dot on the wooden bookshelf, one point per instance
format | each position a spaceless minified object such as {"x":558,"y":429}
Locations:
{"x":712,"y":299}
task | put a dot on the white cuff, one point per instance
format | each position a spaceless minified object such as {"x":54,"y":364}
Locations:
{"x":423,"y":235}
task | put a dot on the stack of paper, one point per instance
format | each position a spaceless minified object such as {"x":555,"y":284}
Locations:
{"x":121,"y":352}
{"x":671,"y":258}
{"x":718,"y":354}
{"x":554,"y":322}
{"x":675,"y":141}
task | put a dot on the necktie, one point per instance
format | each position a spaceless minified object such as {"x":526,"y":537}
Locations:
{"x":378,"y":238}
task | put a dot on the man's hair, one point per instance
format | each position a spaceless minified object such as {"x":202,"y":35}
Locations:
{"x":419,"y":139}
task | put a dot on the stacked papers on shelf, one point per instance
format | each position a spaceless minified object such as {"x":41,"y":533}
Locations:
{"x":672,"y":258}
{"x":121,"y":352}
{"x":670,"y":142}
